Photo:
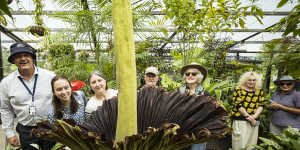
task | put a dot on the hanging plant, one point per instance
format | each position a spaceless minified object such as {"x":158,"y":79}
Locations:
{"x":39,"y":28}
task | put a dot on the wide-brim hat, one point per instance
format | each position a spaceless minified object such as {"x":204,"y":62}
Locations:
{"x":20,"y":48}
{"x":196,"y":66}
{"x":284,"y":78}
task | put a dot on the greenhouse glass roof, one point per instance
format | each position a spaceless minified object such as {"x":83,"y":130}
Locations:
{"x":23,"y":13}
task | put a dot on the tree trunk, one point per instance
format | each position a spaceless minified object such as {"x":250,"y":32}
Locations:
{"x":126,"y":69}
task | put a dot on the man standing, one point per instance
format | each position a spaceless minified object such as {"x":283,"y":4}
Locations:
{"x":151,"y":78}
{"x":193,"y":75}
{"x":25,"y":95}
{"x":285,"y":106}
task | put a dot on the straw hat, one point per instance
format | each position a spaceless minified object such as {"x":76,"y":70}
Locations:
{"x":196,"y":66}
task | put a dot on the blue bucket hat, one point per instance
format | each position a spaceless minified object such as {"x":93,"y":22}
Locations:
{"x":20,"y":48}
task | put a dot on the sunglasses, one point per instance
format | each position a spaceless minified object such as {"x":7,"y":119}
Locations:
{"x":288,"y":84}
{"x":150,"y":75}
{"x":191,"y":73}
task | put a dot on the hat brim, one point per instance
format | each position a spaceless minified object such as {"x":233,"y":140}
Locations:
{"x":199,"y":67}
{"x":151,"y":73}
{"x":10,"y":58}
{"x":277,"y":82}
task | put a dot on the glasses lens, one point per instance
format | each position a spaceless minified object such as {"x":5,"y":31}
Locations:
{"x":150,"y":75}
{"x":194,"y":73}
{"x":191,"y":73}
{"x":288,"y":84}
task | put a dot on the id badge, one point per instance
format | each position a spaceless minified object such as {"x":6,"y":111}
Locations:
{"x":32,"y":110}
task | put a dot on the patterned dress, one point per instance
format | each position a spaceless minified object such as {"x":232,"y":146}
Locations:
{"x":250,"y":100}
{"x":78,"y":117}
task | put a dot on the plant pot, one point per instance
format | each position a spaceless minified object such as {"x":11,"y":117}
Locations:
{"x":9,"y":2}
{"x":39,"y":30}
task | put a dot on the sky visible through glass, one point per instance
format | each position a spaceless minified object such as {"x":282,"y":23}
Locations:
{"x":23,"y":21}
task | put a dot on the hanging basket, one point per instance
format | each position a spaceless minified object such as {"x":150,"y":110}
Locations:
{"x":39,"y":30}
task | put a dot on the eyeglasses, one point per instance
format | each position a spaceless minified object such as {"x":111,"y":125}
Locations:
{"x":288,"y":84}
{"x":150,"y":75}
{"x":191,"y":73}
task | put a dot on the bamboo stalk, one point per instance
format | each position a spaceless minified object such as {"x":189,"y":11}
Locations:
{"x":126,"y":69}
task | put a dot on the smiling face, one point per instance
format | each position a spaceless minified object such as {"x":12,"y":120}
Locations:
{"x":286,"y":86}
{"x":150,"y":79}
{"x":193,"y":76}
{"x":251,"y":82}
{"x":62,"y":90}
{"x":97,"y":83}
{"x":23,"y":61}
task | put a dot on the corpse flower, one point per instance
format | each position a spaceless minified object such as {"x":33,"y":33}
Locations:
{"x":166,"y":120}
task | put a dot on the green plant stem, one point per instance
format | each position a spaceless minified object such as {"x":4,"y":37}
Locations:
{"x":126,"y":69}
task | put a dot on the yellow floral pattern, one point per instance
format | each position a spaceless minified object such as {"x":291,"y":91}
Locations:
{"x":249,"y":100}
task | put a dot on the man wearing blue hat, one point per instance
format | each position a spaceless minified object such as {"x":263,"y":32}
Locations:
{"x":25,"y":95}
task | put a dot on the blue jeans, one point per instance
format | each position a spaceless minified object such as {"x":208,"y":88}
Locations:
{"x":201,"y":146}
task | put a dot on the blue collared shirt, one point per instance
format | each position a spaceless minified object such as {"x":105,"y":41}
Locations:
{"x":284,"y":118}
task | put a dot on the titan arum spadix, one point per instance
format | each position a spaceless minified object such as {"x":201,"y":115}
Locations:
{"x":126,"y":68}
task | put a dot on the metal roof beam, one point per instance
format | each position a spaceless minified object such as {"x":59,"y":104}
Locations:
{"x":50,"y":12}
{"x":37,"y":41}
{"x":170,"y":29}
{"x":13,"y":36}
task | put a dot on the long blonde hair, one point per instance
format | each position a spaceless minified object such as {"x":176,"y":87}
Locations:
{"x":244,"y":78}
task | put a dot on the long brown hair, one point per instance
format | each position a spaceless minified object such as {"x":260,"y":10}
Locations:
{"x":57,"y":105}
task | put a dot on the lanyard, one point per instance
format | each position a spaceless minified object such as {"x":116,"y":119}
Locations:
{"x":31,"y":93}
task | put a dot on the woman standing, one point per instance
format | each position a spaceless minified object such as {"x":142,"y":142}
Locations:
{"x":100,"y":92}
{"x":193,"y":75}
{"x":66,"y":104}
{"x":247,"y":105}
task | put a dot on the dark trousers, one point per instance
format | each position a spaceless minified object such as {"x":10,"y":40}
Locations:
{"x":26,"y":139}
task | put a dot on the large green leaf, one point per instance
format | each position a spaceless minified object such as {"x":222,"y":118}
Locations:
{"x":270,"y":143}
{"x":281,"y":3}
{"x":4,"y":8}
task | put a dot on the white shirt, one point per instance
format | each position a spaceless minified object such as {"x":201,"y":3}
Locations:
{"x":93,"y":103}
{"x":15,"y":99}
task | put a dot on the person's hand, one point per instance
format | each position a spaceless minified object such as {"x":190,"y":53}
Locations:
{"x":14,"y":141}
{"x":252,"y":120}
{"x":275,"y":106}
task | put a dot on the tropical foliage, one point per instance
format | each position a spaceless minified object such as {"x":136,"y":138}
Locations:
{"x":289,"y":140}
{"x":283,"y":54}
{"x":290,"y":23}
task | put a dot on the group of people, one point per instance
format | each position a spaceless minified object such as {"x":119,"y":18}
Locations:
{"x":248,"y":104}
{"x":31,"y":93}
